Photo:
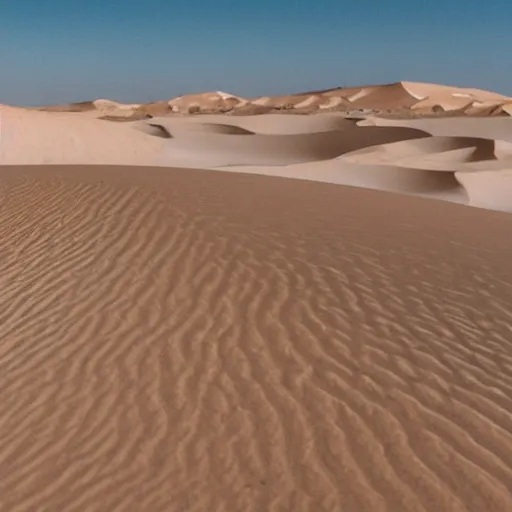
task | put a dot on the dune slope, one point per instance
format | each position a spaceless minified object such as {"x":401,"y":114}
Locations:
{"x":499,"y":128}
{"x":180,"y":340}
{"x":375,"y":153}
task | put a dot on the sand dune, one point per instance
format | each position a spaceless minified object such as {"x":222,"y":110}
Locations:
{"x":206,"y":339}
{"x":276,"y":124}
{"x":450,"y":98}
{"x":436,"y":150}
{"x":391,"y":178}
{"x":183,"y":340}
{"x":353,"y":155}
{"x":29,"y":137}
{"x":425,"y":90}
{"x":179,"y":126}
{"x":192,"y":148}
{"x":443,"y":103}
{"x":488,"y":189}
{"x":399,"y":156}
{"x":311,"y":102}
{"x":109,"y":105}
{"x":391,"y":96}
{"x":418,"y":99}
{"x":81,"y":106}
{"x":499,"y":128}
{"x":154,"y":130}
{"x":61,"y":138}
{"x":435,"y":145}
{"x":210,"y":101}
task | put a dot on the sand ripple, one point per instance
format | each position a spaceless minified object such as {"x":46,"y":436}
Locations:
{"x":197,"y":341}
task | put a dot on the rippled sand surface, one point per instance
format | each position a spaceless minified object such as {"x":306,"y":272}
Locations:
{"x":180,"y":340}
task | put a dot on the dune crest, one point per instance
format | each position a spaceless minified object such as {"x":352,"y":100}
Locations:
{"x":31,"y":137}
{"x":490,"y":189}
{"x":416,"y":99}
{"x":405,"y":156}
{"x":209,"y":101}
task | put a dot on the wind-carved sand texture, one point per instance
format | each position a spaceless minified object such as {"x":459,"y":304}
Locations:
{"x":214,"y":313}
{"x":190,"y":340}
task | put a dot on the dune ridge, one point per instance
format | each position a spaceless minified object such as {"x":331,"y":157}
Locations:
{"x":415,"y":98}
{"x":192,"y":340}
{"x":425,"y":157}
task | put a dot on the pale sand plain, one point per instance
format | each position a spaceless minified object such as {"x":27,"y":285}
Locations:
{"x":175,"y":339}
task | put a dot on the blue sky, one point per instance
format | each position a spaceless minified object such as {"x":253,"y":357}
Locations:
{"x":57,"y":51}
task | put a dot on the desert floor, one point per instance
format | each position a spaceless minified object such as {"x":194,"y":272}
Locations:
{"x":214,"y":339}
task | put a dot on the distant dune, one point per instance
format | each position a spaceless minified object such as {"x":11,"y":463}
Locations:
{"x":414,"y":99}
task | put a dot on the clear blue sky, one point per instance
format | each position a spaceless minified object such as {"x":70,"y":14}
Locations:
{"x":57,"y":51}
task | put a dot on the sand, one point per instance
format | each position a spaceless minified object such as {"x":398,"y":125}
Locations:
{"x":499,"y":128}
{"x":413,"y":97}
{"x":255,"y":313}
{"x":29,"y":137}
{"x":449,"y":159}
{"x":189,"y":340}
